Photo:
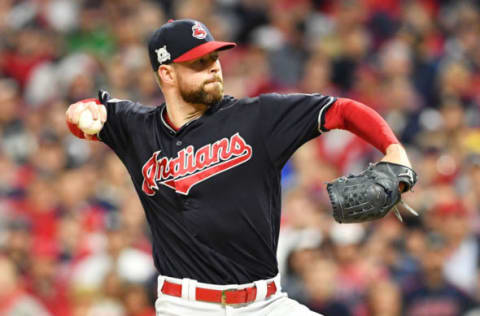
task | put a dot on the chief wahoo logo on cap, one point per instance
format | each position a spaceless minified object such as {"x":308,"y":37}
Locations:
{"x":198,"y":31}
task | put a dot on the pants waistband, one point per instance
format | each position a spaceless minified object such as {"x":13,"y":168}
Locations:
{"x":225,"y":294}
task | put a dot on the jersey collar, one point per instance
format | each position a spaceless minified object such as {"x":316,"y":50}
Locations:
{"x":169,"y":127}
{"x":226,"y":99}
{"x":168,"y":122}
{"x":165,"y":124}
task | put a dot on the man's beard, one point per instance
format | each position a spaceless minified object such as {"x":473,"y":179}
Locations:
{"x":200,"y":96}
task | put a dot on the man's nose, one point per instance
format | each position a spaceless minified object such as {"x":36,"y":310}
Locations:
{"x":215,"y":67}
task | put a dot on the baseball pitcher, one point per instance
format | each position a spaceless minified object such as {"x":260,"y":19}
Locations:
{"x":206,"y":167}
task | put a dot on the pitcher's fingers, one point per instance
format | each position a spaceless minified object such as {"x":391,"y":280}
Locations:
{"x":68,"y":113}
{"x":70,"y":110}
{"x":103,"y":113}
{"x":94,"y":109}
{"x":76,"y":111}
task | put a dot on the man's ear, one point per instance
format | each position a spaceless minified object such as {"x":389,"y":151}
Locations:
{"x":166,"y":74}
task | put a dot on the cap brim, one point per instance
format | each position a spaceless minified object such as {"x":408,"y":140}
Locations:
{"x":205,"y":48}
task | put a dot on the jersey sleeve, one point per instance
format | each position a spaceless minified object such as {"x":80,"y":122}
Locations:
{"x":123,"y":118}
{"x":290,"y":120}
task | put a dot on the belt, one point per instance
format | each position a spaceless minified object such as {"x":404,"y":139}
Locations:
{"x":224,"y":297}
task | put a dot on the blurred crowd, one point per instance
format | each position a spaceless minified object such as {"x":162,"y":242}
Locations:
{"x":73,"y":237}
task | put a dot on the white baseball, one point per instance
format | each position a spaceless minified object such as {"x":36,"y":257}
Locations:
{"x":87,"y":124}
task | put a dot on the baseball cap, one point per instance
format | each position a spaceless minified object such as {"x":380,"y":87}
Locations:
{"x":182,"y":40}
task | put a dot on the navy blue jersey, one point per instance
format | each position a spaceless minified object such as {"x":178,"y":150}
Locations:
{"x":211,"y":190}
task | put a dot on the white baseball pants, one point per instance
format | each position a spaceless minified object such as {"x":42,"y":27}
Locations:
{"x":276,"y":305}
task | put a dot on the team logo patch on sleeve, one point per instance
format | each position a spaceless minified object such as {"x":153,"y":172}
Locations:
{"x":198,"y":31}
{"x":191,"y":167}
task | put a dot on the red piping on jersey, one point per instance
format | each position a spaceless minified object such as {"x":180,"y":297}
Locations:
{"x":361,"y":120}
{"x":167,"y":120}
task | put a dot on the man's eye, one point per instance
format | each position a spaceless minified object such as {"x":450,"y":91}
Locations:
{"x":201,"y":62}
{"x":205,"y":61}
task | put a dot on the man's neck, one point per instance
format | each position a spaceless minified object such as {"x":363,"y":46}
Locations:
{"x":180,"y":112}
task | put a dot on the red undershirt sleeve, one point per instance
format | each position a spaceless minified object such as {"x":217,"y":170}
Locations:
{"x":362,"y":121}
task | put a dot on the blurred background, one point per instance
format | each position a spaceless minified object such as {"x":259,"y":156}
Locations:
{"x":73,"y":238}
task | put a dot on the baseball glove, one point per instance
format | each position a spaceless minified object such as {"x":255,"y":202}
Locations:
{"x":371,"y":194}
